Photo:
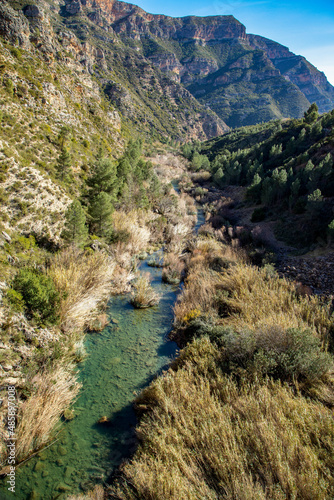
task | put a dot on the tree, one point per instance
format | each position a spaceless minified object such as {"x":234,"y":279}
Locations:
{"x":330,"y":232}
{"x":63,"y":136}
{"x":75,"y":230}
{"x":63,"y":166}
{"x":268,"y":191}
{"x":254,"y":190}
{"x":123,"y":170}
{"x":315,"y":205}
{"x":103,"y":179}
{"x":100,"y":211}
{"x":219,"y":177}
{"x":196,"y":162}
{"x":311,"y":115}
{"x":38,"y":291}
{"x":294,"y":192}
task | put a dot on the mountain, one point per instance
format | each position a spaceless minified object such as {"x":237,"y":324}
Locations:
{"x":299,"y":71}
{"x":169,"y":78}
{"x":244,"y":79}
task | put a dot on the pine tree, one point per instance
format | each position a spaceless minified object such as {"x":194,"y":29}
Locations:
{"x":75,"y":230}
{"x":63,"y":136}
{"x":311,"y":115}
{"x":254,"y":190}
{"x":100,"y":211}
{"x":103,"y":179}
{"x":219,"y":177}
{"x":63,"y":166}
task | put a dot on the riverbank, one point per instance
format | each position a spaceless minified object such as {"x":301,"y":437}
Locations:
{"x":246,"y":391}
{"x":84,"y":307}
{"x":120,"y":361}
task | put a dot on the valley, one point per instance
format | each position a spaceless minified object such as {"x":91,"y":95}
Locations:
{"x":166,"y":258}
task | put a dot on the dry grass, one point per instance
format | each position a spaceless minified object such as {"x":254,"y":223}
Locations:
{"x":84,"y":280}
{"x":96,"y":494}
{"x":173,"y":268}
{"x":38,"y":416}
{"x":135,"y":225}
{"x":205,"y":437}
{"x":202,"y":281}
{"x":208,"y":430}
{"x":143,"y":295}
{"x":257,"y":299}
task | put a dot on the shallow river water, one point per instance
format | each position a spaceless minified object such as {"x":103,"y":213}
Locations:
{"x":121,"y":360}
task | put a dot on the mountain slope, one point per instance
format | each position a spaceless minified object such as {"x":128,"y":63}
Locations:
{"x":172,"y":78}
{"x":296,"y":69}
{"x":245,"y":79}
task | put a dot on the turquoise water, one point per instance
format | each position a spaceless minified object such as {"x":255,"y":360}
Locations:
{"x":121,"y":360}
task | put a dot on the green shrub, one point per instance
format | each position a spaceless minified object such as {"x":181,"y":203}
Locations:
{"x":16,"y":52}
{"x":288,"y":355}
{"x":16,"y":300}
{"x":40,"y":296}
{"x":9,"y":86}
{"x":259,"y":214}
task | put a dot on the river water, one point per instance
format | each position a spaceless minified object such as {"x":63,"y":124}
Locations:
{"x":120,"y":361}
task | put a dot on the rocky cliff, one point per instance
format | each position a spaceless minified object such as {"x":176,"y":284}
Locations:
{"x":170,"y":78}
{"x":296,"y":69}
{"x":243,"y":78}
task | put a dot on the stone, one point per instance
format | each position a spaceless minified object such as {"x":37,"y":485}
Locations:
{"x":103,"y":420}
{"x":69,"y":471}
{"x":39,"y":466}
{"x":62,"y":450}
{"x":13,"y":27}
{"x":73,"y":8}
{"x":32,"y":11}
{"x":6,"y":236}
{"x":63,"y":487}
{"x":7,"y":367}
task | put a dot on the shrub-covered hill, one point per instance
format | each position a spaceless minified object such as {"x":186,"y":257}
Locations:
{"x":285,"y":167}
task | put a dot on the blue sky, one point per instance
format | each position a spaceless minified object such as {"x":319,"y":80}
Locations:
{"x":306,"y":27}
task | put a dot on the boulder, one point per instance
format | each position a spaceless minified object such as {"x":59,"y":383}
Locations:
{"x":14,"y":26}
{"x":33,"y":12}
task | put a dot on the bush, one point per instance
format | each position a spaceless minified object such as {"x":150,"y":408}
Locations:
{"x":16,"y":300}
{"x":288,"y":355}
{"x":144,"y":296}
{"x":259,"y":214}
{"x":39,"y":294}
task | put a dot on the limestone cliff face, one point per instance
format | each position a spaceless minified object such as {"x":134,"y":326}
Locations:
{"x":13,"y":25}
{"x":242,"y":78}
{"x":159,"y":71}
{"x":135,"y":22}
{"x":298,"y":70}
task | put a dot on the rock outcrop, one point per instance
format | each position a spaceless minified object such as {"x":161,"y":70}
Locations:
{"x":185,"y":78}
{"x":13,"y":26}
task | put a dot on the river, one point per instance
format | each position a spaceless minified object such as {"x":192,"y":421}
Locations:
{"x":120,"y":361}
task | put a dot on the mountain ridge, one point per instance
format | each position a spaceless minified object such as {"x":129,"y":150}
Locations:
{"x":187,"y":49}
{"x":184,"y":78}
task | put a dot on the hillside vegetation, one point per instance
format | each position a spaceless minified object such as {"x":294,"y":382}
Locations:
{"x":285,"y":169}
{"x":54,"y":288}
{"x":90,"y":92}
